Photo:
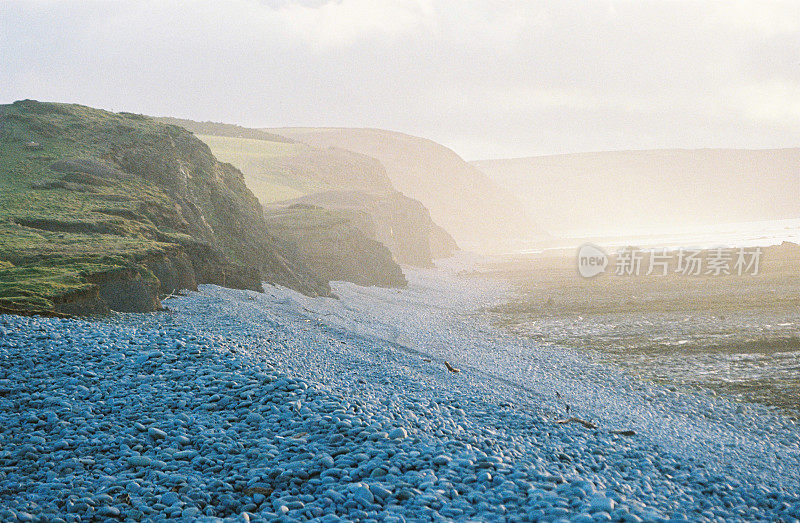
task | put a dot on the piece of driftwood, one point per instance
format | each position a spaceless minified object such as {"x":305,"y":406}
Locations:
{"x":592,"y":426}
{"x":585,"y":423}
{"x":450,"y":367}
{"x":173,"y":294}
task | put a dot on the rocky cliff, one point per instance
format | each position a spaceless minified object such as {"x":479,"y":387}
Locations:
{"x":105,"y":211}
{"x":332,"y":244}
{"x":336,"y":179}
{"x":400,"y":223}
{"x":475,"y":210}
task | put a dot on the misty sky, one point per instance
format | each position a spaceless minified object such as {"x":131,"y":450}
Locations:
{"x":489,"y":79}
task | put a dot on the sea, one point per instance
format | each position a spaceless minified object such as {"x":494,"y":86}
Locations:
{"x":744,"y":345}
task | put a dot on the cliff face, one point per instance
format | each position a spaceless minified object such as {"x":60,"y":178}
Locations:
{"x":476,"y":211}
{"x":110,"y":209}
{"x":338,"y":179}
{"x":400,"y":223}
{"x":215,"y":207}
{"x":442,"y":244}
{"x":331,"y":243}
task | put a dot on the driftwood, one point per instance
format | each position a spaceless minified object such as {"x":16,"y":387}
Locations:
{"x":174,"y":294}
{"x":592,"y":426}
{"x":450,"y":367}
{"x":577,"y":420}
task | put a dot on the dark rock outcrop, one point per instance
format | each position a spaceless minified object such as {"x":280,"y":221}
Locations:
{"x":330,"y":243}
{"x":82,"y":302}
{"x":400,"y":223}
{"x":174,"y":272}
{"x":128,"y":290}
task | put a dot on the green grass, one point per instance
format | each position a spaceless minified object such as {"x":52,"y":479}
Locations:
{"x":36,"y":286}
{"x":257,"y":161}
{"x":223,"y":129}
{"x":53,"y":233}
{"x":249,"y":148}
{"x":305,"y":220}
{"x":39,"y":267}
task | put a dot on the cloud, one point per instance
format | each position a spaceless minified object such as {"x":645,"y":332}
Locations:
{"x":488,"y":78}
{"x":349,"y":21}
{"x":768,"y":101}
{"x":765,"y":19}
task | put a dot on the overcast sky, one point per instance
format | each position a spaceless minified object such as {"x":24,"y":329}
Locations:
{"x":489,"y":79}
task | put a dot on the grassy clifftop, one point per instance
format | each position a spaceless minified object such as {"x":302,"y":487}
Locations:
{"x":278,"y":168}
{"x":281,"y":173}
{"x":260,"y":161}
{"x":89,"y":197}
{"x":224,"y":129}
{"x":278,"y":171}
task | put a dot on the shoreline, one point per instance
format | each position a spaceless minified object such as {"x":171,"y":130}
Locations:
{"x":518,"y":366}
{"x":483,"y":443}
{"x":736,"y":336}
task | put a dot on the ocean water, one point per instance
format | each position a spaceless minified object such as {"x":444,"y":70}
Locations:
{"x":734,"y":234}
{"x":737,"y":338}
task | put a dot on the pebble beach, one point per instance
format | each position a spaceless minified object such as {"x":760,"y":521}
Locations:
{"x":245,"y":406}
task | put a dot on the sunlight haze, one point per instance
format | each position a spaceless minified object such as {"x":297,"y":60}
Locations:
{"x":487,"y":79}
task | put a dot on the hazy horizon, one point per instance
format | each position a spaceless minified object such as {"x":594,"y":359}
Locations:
{"x":488,"y":80}
{"x":658,"y":189}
